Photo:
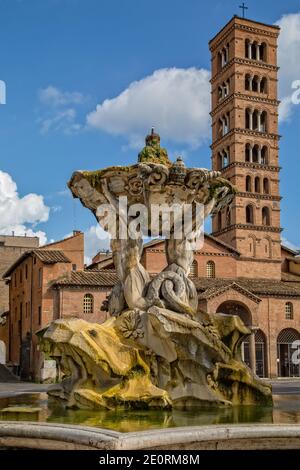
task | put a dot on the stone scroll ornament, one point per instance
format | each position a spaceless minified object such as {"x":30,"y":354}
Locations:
{"x":156,"y":349}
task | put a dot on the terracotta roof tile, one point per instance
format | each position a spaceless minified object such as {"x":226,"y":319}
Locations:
{"x":51,"y":256}
{"x":206,"y":287}
{"x":89,"y":278}
{"x":46,"y":256}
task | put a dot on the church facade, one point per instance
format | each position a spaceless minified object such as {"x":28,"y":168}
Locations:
{"x":243,"y":268}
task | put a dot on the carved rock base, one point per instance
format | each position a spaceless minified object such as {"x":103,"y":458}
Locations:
{"x":150,"y":359}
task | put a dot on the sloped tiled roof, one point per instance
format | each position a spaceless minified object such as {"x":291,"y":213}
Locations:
{"x":206,"y":287}
{"x":46,"y":256}
{"x":257,"y":287}
{"x":51,"y":256}
{"x":89,"y":278}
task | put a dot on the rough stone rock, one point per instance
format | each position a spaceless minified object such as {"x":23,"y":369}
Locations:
{"x":157,"y":358}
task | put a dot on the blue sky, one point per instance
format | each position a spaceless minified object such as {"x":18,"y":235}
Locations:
{"x":60,"y":58}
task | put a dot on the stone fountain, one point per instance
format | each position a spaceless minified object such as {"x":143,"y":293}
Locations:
{"x":157,"y":349}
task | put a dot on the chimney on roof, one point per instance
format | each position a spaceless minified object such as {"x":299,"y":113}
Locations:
{"x":76,"y":232}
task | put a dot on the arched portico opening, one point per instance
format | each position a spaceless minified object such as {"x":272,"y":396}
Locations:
{"x":253,"y":348}
{"x":260,"y":353}
{"x":285,"y":351}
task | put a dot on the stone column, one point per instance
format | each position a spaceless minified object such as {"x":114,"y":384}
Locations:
{"x":223,"y":57}
{"x":258,"y":84}
{"x":259,"y":153}
{"x":252,"y":351}
{"x":251,"y":119}
{"x":250,"y":50}
{"x":259,"y":120}
{"x":251,"y":153}
{"x":250,"y":82}
{"x":257,"y":51}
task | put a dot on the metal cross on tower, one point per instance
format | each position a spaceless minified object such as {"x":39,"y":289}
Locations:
{"x":243,"y":7}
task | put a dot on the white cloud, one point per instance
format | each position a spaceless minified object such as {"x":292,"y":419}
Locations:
{"x":61,"y":121}
{"x":16,"y":213}
{"x":59,"y":112}
{"x":175,"y":101}
{"x":95,"y":239}
{"x":52,"y":96}
{"x":289,"y":61}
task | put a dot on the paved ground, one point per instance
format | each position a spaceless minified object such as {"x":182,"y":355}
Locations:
{"x":13,"y":389}
{"x":286,"y":386}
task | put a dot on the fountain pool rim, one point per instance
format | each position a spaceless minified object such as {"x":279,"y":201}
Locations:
{"x":34,"y":435}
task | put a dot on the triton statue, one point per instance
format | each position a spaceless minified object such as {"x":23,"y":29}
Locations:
{"x":156,"y":349}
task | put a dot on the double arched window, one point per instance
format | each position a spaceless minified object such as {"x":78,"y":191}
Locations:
{"x":255,"y":50}
{"x":256,"y":120}
{"x":255,"y":153}
{"x":255,"y":83}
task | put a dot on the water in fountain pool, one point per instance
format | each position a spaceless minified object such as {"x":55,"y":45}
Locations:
{"x":286,"y":410}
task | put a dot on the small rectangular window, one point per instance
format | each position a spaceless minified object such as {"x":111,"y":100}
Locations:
{"x":21,"y":276}
{"x":74,"y":267}
{"x":26,"y":271}
{"x":40,"y":277}
{"x":40,"y":315}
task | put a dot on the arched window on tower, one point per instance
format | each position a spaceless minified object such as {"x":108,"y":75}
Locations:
{"x":248,"y":184}
{"x":248,"y":82}
{"x":226,"y":158}
{"x":263,"y":122}
{"x":255,"y":154}
{"x":247,"y":119}
{"x":264,"y":155}
{"x":249,"y":214}
{"x":265,"y":216}
{"x":257,"y":184}
{"x":255,"y":83}
{"x":210,"y":269}
{"x":248,"y":151}
{"x":263,"y":85}
{"x":263,"y":52}
{"x":266,"y":186}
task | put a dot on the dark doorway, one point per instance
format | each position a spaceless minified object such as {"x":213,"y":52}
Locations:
{"x":285,"y":350}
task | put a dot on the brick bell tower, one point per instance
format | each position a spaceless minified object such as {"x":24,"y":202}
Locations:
{"x":245,"y":142}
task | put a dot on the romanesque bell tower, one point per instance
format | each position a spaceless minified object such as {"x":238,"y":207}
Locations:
{"x":245,"y":142}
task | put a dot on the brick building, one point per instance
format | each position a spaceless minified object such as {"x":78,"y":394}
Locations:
{"x":40,"y":283}
{"x":11,"y":247}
